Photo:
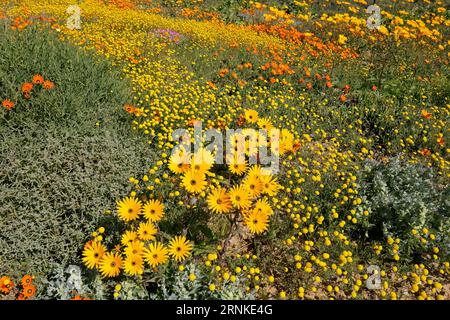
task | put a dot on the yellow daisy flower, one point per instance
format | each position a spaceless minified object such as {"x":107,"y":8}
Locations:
{"x":153,"y":210}
{"x":194,"y":182}
{"x":129,"y":209}
{"x":256,"y":222}
{"x":147,"y":231}
{"x":240,"y":197}
{"x":110,"y":265}
{"x":180,"y":248}
{"x":93,"y":253}
{"x":156,"y":254}
{"x":219,"y":201}
{"x":134,"y":265}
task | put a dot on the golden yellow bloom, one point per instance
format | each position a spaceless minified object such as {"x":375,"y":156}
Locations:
{"x":153,"y":210}
{"x":240,"y":197}
{"x":147,"y":231}
{"x":270,"y":185}
{"x":194,"y":182}
{"x":180,"y":248}
{"x":128,"y":237}
{"x":129,"y":209}
{"x":110,"y":265}
{"x":219,"y":201}
{"x":256,"y":221}
{"x":156,"y":254}
{"x":263,"y":207}
{"x":134,"y":248}
{"x":179,"y":163}
{"x":251,"y":116}
{"x":134,"y":265}
{"x":253,"y":185}
{"x":92,"y":254}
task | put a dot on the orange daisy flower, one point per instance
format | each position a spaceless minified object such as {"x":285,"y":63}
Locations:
{"x":426,"y":114}
{"x":440,"y":140}
{"x":425,"y":152}
{"x":26,"y":280}
{"x":47,"y":85}
{"x":6,"y":285}
{"x":8,"y":104}
{"x":27,"y":87}
{"x":29,"y":291}
{"x":129,"y":108}
{"x":38,"y":79}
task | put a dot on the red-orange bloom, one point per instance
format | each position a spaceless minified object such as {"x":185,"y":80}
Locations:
{"x":29,"y":291}
{"x":8,"y":104}
{"x":77,"y":297}
{"x":27,"y":87}
{"x":26,"y":280}
{"x":6,"y":285}
{"x":38,"y":79}
{"x":425,"y":152}
{"x":440,"y":140}
{"x":48,"y":85}
{"x":193,"y":122}
{"x":426,"y":114}
{"x":129,"y":108}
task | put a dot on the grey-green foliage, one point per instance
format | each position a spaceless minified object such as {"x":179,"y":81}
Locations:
{"x":179,"y":287}
{"x":402,"y":196}
{"x":63,"y":283}
{"x":132,"y":290}
{"x":59,"y":170}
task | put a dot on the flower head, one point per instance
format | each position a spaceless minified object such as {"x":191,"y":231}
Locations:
{"x":129,"y":209}
{"x":110,"y":265}
{"x":153,"y":210}
{"x":156,"y":254}
{"x":93,"y":253}
{"x":8,"y":104}
{"x":180,"y":248}
{"x":219,"y":201}
{"x":38,"y":79}
{"x":194,"y":182}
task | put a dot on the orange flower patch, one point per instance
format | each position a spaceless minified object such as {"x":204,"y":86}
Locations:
{"x":28,"y":291}
{"x":8,"y":104}
{"x":38,"y":79}
{"x":47,"y":85}
{"x":27,"y":87}
{"x":425,"y":152}
{"x":26,"y":280}
{"x":24,"y":290}
{"x":426,"y":114}
{"x":6,"y":285}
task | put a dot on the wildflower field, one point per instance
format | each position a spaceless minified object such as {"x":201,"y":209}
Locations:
{"x":206,"y":149}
